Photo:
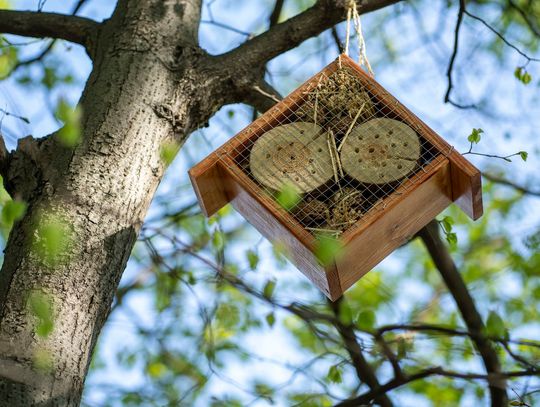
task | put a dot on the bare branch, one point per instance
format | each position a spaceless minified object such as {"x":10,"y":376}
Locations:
{"x":459,"y":20}
{"x":366,"y":398}
{"x":276,"y":12}
{"x":526,"y":17}
{"x":261,"y":96}
{"x":503,"y":181}
{"x":363,"y":369}
{"x":291,"y":33}
{"x":453,"y":280}
{"x":42,"y":54}
{"x":75,"y":29}
{"x":503,"y":39}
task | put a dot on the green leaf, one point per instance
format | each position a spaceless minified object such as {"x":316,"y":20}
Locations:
{"x":53,"y":238}
{"x":156,"y":369}
{"x":288,"y":197}
{"x":218,"y":240}
{"x":334,"y":374}
{"x":8,"y":60}
{"x":264,"y":390}
{"x":270,"y":319}
{"x":41,"y":307}
{"x":168,"y":152}
{"x":495,"y":326}
{"x":253,"y":259}
{"x":366,"y":320}
{"x":516,"y":403}
{"x":447,"y":223}
{"x":13,"y":211}
{"x":524,"y":155}
{"x":269,"y":287}
{"x":327,"y":249}
{"x":345,"y":313}
{"x":452,"y":239}
{"x":475,"y":137}
{"x":522,"y":75}
{"x":70,"y":134}
{"x":49,"y":77}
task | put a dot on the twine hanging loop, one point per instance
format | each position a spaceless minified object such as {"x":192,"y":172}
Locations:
{"x":352,"y":14}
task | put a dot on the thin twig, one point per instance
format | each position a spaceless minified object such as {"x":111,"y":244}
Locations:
{"x":351,"y":126}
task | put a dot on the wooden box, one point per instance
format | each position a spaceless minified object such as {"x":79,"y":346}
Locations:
{"x":390,"y":221}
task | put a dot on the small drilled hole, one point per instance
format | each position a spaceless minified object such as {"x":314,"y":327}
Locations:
{"x":393,"y":144}
{"x":301,"y":131}
{"x":405,"y":144}
{"x":390,"y":132}
{"x":268,"y":155}
{"x":376,"y":136}
{"x":371,"y":150}
{"x":313,"y":171}
{"x":384,"y":164}
{"x":292,"y":157}
{"x":356,"y":150}
{"x":400,"y":167}
{"x":359,"y":160}
{"x":311,"y":160}
{"x":320,"y":150}
{"x":279,"y":148}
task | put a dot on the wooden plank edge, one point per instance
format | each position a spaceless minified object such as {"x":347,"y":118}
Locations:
{"x":209,"y":181}
{"x":401,"y":230}
{"x":466,"y":186}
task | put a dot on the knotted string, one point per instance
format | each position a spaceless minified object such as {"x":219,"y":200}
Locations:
{"x":352,"y":14}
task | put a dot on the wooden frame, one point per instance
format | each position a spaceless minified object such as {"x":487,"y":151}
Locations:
{"x":218,"y":180}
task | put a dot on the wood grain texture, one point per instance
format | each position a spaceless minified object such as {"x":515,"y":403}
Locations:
{"x":395,"y":225}
{"x":209,"y":181}
{"x":295,"y":154}
{"x":380,"y":151}
{"x":466,"y":186}
{"x":277,"y":226}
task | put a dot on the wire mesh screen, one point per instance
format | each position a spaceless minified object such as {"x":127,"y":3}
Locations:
{"x":343,"y":149}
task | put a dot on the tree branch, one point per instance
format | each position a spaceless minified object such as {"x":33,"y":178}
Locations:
{"x":447,"y":98}
{"x":291,"y":33}
{"x":367,"y":397}
{"x":503,"y":181}
{"x":363,"y":369}
{"x":50,"y":46}
{"x":450,"y":274}
{"x":75,"y":29}
{"x":262,"y":96}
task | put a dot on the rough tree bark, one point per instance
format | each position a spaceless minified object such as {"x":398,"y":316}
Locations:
{"x":102,"y":189}
{"x":151,"y":84}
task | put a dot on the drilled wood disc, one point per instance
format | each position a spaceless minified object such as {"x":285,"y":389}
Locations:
{"x":296,"y":153}
{"x":380,"y":151}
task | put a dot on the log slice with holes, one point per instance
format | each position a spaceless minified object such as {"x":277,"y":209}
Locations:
{"x":380,"y":151}
{"x":295,"y":153}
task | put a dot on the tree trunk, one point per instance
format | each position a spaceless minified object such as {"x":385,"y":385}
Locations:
{"x":145,"y":90}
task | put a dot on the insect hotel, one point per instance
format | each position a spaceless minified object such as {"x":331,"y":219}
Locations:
{"x":368,"y":172}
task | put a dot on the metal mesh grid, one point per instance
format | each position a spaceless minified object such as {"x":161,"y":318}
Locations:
{"x":345,"y":150}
